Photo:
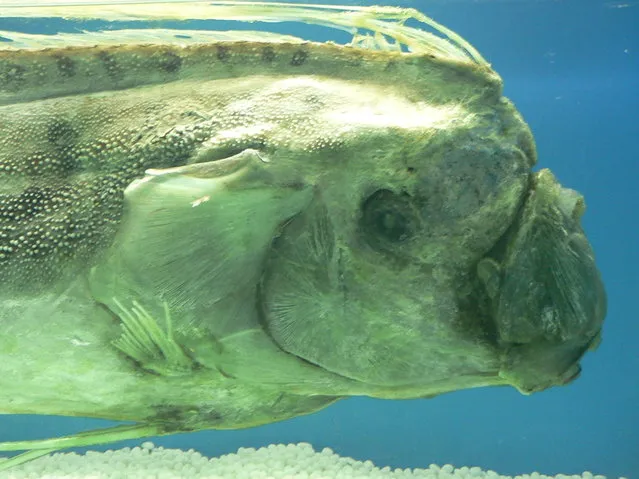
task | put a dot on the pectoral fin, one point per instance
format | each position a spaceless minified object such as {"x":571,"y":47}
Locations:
{"x":192,"y":242}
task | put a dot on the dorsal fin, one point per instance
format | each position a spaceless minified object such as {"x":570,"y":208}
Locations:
{"x":386,"y":24}
{"x":35,"y":67}
{"x":27,"y":75}
{"x":155,"y":36}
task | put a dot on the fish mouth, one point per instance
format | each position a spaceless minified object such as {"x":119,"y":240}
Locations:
{"x":547,"y":296}
{"x":572,"y":374}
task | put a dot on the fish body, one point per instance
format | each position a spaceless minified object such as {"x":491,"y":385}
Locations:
{"x":226,"y":233}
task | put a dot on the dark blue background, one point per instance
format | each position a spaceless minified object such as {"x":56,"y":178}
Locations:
{"x":572,"y":68}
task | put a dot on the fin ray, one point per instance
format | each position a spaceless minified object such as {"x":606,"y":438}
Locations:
{"x":18,"y":40}
{"x":382,"y":21}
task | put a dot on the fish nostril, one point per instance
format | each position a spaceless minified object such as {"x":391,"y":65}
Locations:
{"x":572,"y":204}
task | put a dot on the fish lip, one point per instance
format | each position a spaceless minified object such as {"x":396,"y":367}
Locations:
{"x":571,"y":374}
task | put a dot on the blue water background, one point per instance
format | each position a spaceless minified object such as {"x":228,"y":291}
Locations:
{"x":572,"y":68}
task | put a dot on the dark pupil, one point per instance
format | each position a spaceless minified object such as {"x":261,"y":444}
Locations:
{"x":391,"y":225}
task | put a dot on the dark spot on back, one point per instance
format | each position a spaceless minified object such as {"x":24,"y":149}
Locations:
{"x":65,"y":65}
{"x":11,"y":76}
{"x":268,"y":54}
{"x":223,"y":53}
{"x":170,"y":62}
{"x":299,"y":57}
{"x":61,"y":134}
{"x":355,"y":61}
{"x":31,"y":202}
{"x":110,"y":65}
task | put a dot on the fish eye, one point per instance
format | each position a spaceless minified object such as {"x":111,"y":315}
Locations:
{"x":386,"y":217}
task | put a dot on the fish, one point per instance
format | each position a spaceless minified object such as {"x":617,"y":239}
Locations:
{"x":207,"y":229}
